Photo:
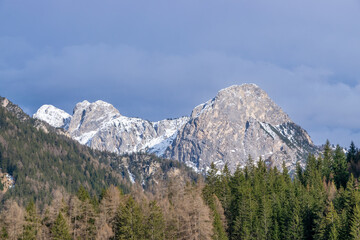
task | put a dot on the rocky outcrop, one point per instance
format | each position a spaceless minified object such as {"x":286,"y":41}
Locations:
{"x":101,"y":126}
{"x":241,"y":121}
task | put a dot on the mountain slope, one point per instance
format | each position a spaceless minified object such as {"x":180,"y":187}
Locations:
{"x":40,"y":160}
{"x":54,"y":116}
{"x":240,"y":121}
{"x":101,"y":126}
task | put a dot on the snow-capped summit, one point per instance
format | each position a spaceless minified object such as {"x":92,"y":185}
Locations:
{"x":53,"y":116}
{"x":239,"y":121}
{"x":101,"y":126}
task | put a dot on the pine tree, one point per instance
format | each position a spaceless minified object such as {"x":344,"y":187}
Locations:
{"x":60,"y":229}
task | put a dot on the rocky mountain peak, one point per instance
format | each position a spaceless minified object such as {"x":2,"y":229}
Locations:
{"x":247,"y":101}
{"x":101,"y":126}
{"x":88,"y":115}
{"x":239,"y":121}
{"x":13,"y":108}
{"x":54,"y":116}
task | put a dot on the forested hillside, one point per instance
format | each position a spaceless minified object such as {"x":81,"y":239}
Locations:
{"x":41,"y":161}
{"x":321,"y":202}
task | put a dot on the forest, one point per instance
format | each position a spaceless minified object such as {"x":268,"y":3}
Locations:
{"x":64,"y":190}
{"x":322,"y":201}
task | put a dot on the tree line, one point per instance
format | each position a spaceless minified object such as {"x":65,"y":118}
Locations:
{"x":321,"y":202}
{"x":177,"y":211}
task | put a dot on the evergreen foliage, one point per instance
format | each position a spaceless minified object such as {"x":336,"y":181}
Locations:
{"x":355,"y":224}
{"x":31,"y":222}
{"x":41,"y":162}
{"x":341,"y":173}
{"x":129,"y":222}
{"x":263,"y":203}
{"x":257,"y":202}
{"x":155,"y":224}
{"x":60,"y":230}
{"x":351,"y":155}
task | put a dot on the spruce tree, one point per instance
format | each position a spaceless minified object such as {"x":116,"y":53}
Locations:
{"x":327,"y":161}
{"x":31,"y":222}
{"x":129,"y":221}
{"x":341,"y":174}
{"x":296,"y":227}
{"x":355,"y":224}
{"x":83,"y":194}
{"x":4,"y":234}
{"x":351,"y":153}
{"x":60,"y":229}
{"x":329,"y":225}
{"x":155,"y":225}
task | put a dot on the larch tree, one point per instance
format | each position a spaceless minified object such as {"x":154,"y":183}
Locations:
{"x":13,"y":218}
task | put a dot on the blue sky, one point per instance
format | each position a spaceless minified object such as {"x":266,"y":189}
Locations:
{"x":159,"y":59}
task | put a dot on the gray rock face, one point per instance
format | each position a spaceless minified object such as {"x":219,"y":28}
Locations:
{"x":240,"y":121}
{"x":101,"y":126}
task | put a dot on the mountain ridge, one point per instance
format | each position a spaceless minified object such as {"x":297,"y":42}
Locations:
{"x":241,"y":117}
{"x":39,"y":160}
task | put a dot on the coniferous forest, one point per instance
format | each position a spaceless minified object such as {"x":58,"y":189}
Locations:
{"x":67,"y":191}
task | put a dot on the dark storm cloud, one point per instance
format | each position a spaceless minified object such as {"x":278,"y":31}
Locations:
{"x":158,"y":59}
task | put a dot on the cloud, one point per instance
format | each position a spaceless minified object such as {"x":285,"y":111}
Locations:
{"x":155,"y":86}
{"x":159,"y":59}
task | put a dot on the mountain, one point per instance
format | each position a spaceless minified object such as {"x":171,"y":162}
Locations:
{"x":101,"y":126}
{"x":54,"y":116}
{"x":241,"y":121}
{"x":36,"y":160}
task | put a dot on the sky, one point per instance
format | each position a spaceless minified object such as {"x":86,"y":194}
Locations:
{"x":160,"y":59}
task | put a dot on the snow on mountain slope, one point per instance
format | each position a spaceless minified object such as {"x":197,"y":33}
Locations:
{"x":239,"y":121}
{"x":101,"y":126}
{"x":53,"y":116}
